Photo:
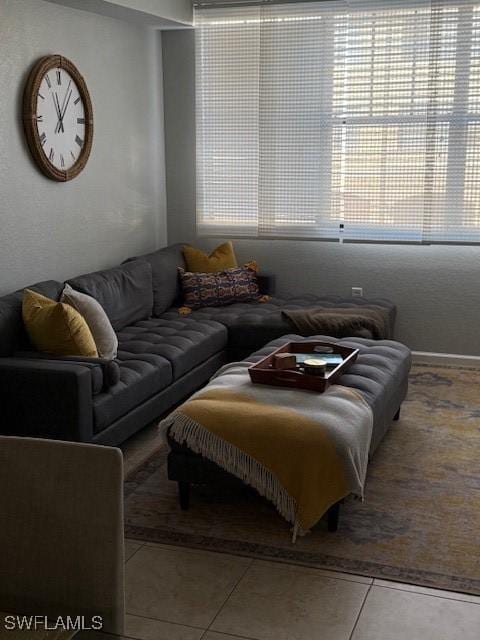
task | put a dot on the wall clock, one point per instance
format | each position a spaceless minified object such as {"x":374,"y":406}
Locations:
{"x":58,"y":118}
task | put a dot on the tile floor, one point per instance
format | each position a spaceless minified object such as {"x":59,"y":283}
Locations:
{"x":174,"y":593}
{"x":185,"y":594}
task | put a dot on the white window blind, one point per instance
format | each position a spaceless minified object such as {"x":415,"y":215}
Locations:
{"x":362,"y":115}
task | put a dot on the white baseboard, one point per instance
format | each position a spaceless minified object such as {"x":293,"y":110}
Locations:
{"x":427,"y":357}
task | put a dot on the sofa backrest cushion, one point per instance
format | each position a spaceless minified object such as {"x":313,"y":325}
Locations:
{"x":124,"y":292}
{"x":13,"y":336}
{"x":166,"y":283}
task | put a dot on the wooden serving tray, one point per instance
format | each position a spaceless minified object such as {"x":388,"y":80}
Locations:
{"x":263,"y":372}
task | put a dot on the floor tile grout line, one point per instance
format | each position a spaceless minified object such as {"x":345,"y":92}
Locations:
{"x":177,"y":624}
{"x":350,"y":637}
{"x":422,"y":593}
{"x":248,"y":565}
{"x":230,"y":594}
{"x":134,"y":553}
{"x":228,"y":635}
{"x":332,"y":573}
{"x":307,"y":568}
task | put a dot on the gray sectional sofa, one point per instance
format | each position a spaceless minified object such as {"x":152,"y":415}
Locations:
{"x":162,"y":358}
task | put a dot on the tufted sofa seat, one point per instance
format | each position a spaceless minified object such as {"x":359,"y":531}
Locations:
{"x":152,"y":354}
{"x":184,"y":341}
{"x":141,"y":376}
{"x":250,"y":326}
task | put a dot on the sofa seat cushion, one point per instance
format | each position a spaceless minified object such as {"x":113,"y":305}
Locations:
{"x":251,"y":324}
{"x":183,"y":341}
{"x":142,"y":375}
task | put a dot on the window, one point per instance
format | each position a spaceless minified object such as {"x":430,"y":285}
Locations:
{"x":358,"y":118}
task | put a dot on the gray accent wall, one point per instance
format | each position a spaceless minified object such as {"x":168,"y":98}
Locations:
{"x":162,"y":14}
{"x":116,"y":207}
{"x":436,"y":288}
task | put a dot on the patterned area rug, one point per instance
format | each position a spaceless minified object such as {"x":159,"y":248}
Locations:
{"x":420,"y":522}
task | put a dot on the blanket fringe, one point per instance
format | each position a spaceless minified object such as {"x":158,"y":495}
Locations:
{"x":185,"y":430}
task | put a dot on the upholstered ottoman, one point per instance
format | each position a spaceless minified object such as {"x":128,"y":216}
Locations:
{"x":380,"y":375}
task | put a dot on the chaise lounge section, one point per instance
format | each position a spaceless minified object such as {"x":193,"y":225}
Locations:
{"x":163,"y":356}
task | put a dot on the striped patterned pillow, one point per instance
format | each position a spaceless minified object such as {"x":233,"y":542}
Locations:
{"x":218,"y":289}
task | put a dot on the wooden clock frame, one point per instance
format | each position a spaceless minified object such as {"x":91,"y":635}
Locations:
{"x":30,"y":96}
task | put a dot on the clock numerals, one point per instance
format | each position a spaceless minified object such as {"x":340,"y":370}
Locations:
{"x":59,"y":86}
{"x":40,"y":96}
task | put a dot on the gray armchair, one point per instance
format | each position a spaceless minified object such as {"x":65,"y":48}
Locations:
{"x":61,"y":530}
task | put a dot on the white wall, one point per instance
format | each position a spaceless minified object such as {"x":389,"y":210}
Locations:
{"x":436,"y":289}
{"x":116,"y":207}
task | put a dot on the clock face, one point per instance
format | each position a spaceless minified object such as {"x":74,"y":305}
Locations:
{"x":60,"y":118}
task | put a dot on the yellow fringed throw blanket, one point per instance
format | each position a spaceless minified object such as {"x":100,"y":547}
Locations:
{"x":302,"y":450}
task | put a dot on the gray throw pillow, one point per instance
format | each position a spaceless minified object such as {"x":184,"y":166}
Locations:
{"x":97,"y":320}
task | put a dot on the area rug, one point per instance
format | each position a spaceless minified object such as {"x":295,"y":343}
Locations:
{"x":419,"y":523}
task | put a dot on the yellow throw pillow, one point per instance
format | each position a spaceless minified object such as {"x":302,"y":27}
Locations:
{"x":56,"y":327}
{"x":198,"y":262}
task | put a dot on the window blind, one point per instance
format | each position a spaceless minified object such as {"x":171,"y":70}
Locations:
{"x":357,"y":119}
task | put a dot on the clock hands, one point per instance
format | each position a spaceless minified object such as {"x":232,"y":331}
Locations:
{"x":61,"y":111}
{"x":63,"y":104}
{"x":66,"y":106}
{"x":57,"y":109}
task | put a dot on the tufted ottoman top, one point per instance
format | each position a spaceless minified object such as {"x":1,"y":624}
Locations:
{"x":380,"y":374}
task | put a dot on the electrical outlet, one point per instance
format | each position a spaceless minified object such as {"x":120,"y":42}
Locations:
{"x":357,"y":292}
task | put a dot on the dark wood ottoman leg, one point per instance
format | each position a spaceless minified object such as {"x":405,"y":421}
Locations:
{"x":397,"y":415}
{"x":332,"y":517}
{"x":184,"y":495}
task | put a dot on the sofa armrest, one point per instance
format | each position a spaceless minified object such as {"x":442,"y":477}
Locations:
{"x":266,"y":283}
{"x":105,"y":373}
{"x":45,"y":398}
